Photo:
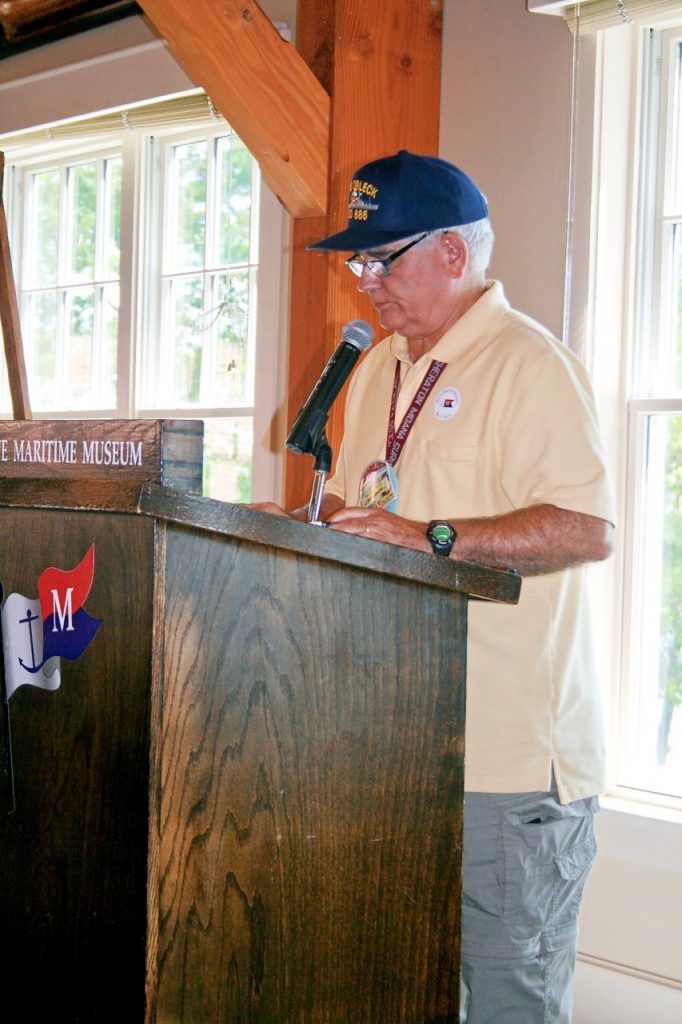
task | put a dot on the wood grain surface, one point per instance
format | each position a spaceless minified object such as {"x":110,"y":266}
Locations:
{"x":74,"y":852}
{"x":310,"y":780}
{"x":243,"y":803}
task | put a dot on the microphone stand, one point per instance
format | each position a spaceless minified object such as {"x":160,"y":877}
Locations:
{"x":323,"y":463}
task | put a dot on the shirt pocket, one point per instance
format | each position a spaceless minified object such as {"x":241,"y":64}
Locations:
{"x":450,"y":474}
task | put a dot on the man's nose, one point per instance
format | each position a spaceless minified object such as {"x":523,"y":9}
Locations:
{"x":367,"y":280}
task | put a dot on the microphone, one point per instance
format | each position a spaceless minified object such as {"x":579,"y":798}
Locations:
{"x":308,"y":426}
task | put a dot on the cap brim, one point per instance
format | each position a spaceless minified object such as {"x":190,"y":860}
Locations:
{"x":360,"y":239}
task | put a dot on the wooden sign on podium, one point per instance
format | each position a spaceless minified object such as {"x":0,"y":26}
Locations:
{"x":244,"y":801}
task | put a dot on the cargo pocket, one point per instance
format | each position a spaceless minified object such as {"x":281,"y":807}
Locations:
{"x":548,"y":856}
{"x":573,"y":867}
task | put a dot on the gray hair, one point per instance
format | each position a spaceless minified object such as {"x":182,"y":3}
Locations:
{"x":479,"y":237}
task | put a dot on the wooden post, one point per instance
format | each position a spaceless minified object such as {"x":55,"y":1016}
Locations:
{"x":382,"y":65}
{"x":9,"y":316}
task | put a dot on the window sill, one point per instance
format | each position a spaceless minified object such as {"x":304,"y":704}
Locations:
{"x":636,"y":806}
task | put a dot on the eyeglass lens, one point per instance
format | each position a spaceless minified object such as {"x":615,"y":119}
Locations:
{"x":378,"y":267}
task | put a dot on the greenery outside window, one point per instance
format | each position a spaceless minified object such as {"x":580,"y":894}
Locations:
{"x":136,"y":241}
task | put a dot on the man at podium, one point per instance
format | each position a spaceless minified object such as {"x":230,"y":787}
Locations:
{"x":471,"y":432}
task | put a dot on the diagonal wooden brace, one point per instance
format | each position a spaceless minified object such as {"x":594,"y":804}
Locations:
{"x":9,"y":317}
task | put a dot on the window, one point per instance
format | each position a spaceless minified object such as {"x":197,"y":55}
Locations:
{"x":641,"y":373}
{"x":70,"y":279}
{"x":136,"y":246}
{"x":651,"y":738}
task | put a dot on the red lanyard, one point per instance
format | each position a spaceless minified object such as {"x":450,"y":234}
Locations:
{"x":395,"y":439}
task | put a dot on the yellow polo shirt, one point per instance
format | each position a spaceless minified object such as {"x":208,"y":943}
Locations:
{"x":511,"y":422}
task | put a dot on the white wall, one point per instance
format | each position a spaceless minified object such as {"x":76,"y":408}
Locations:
{"x":631,"y":924}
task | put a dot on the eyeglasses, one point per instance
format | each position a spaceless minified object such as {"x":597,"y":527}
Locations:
{"x":380,"y":268}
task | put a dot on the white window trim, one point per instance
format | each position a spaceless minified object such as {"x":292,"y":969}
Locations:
{"x":615,"y":262}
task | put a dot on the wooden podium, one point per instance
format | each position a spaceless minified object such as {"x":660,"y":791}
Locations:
{"x":243,"y":803}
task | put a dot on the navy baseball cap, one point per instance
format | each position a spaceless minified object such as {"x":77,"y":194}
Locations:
{"x":401,"y":195}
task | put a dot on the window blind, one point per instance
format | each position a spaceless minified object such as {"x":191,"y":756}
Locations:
{"x":595,"y":15}
{"x":185,"y":107}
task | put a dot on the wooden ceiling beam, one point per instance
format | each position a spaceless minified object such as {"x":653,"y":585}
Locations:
{"x":261,"y":85}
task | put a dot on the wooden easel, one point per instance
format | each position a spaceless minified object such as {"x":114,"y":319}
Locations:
{"x":9,"y":317}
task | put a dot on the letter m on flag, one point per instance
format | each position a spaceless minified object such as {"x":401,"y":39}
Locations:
{"x":67,"y":627}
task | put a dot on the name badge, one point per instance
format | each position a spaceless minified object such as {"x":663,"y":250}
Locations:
{"x":379,"y":487}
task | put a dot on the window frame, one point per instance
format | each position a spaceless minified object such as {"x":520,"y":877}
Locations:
{"x":623,"y":289}
{"x":139,"y":150}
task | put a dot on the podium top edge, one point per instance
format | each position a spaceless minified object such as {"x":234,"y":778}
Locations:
{"x":243,"y":523}
{"x":257,"y":527}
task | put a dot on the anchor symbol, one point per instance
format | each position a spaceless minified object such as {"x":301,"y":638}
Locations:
{"x":29,"y":620}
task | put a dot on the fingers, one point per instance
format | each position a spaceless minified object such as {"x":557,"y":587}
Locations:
{"x":359,"y":521}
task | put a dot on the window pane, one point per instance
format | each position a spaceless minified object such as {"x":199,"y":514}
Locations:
{"x":227,"y":458}
{"x":82,"y":209}
{"x":204,"y":356}
{"x":674,"y":319}
{"x":231,"y":338}
{"x":653,"y":749}
{"x":234,"y":177}
{"x":69,"y":294}
{"x":41,"y":331}
{"x":669,"y":739}
{"x":675,"y":163}
{"x":188,"y":206}
{"x":42,"y":248}
{"x":108,"y":348}
{"x":112,"y":212}
{"x":79,"y":355}
{"x":186,"y":303}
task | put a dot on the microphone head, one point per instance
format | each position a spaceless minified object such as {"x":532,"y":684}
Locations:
{"x":358,"y":333}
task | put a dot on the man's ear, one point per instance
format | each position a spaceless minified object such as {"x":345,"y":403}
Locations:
{"x":456,"y":252}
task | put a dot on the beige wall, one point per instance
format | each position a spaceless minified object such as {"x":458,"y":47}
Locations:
{"x":505,"y":118}
{"x":56,"y":82}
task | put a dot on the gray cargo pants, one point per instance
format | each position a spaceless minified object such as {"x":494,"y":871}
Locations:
{"x":526,"y":858}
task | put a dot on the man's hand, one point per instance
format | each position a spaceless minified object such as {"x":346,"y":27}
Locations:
{"x":376,"y":524}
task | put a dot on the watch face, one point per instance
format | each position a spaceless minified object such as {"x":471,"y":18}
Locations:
{"x":442,"y":536}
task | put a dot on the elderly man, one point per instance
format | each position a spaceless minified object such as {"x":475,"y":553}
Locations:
{"x":471,"y":432}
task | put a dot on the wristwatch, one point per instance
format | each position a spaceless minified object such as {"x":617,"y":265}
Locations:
{"x":441,"y":535}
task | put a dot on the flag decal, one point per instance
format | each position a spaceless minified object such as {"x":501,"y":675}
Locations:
{"x":37,"y":632}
